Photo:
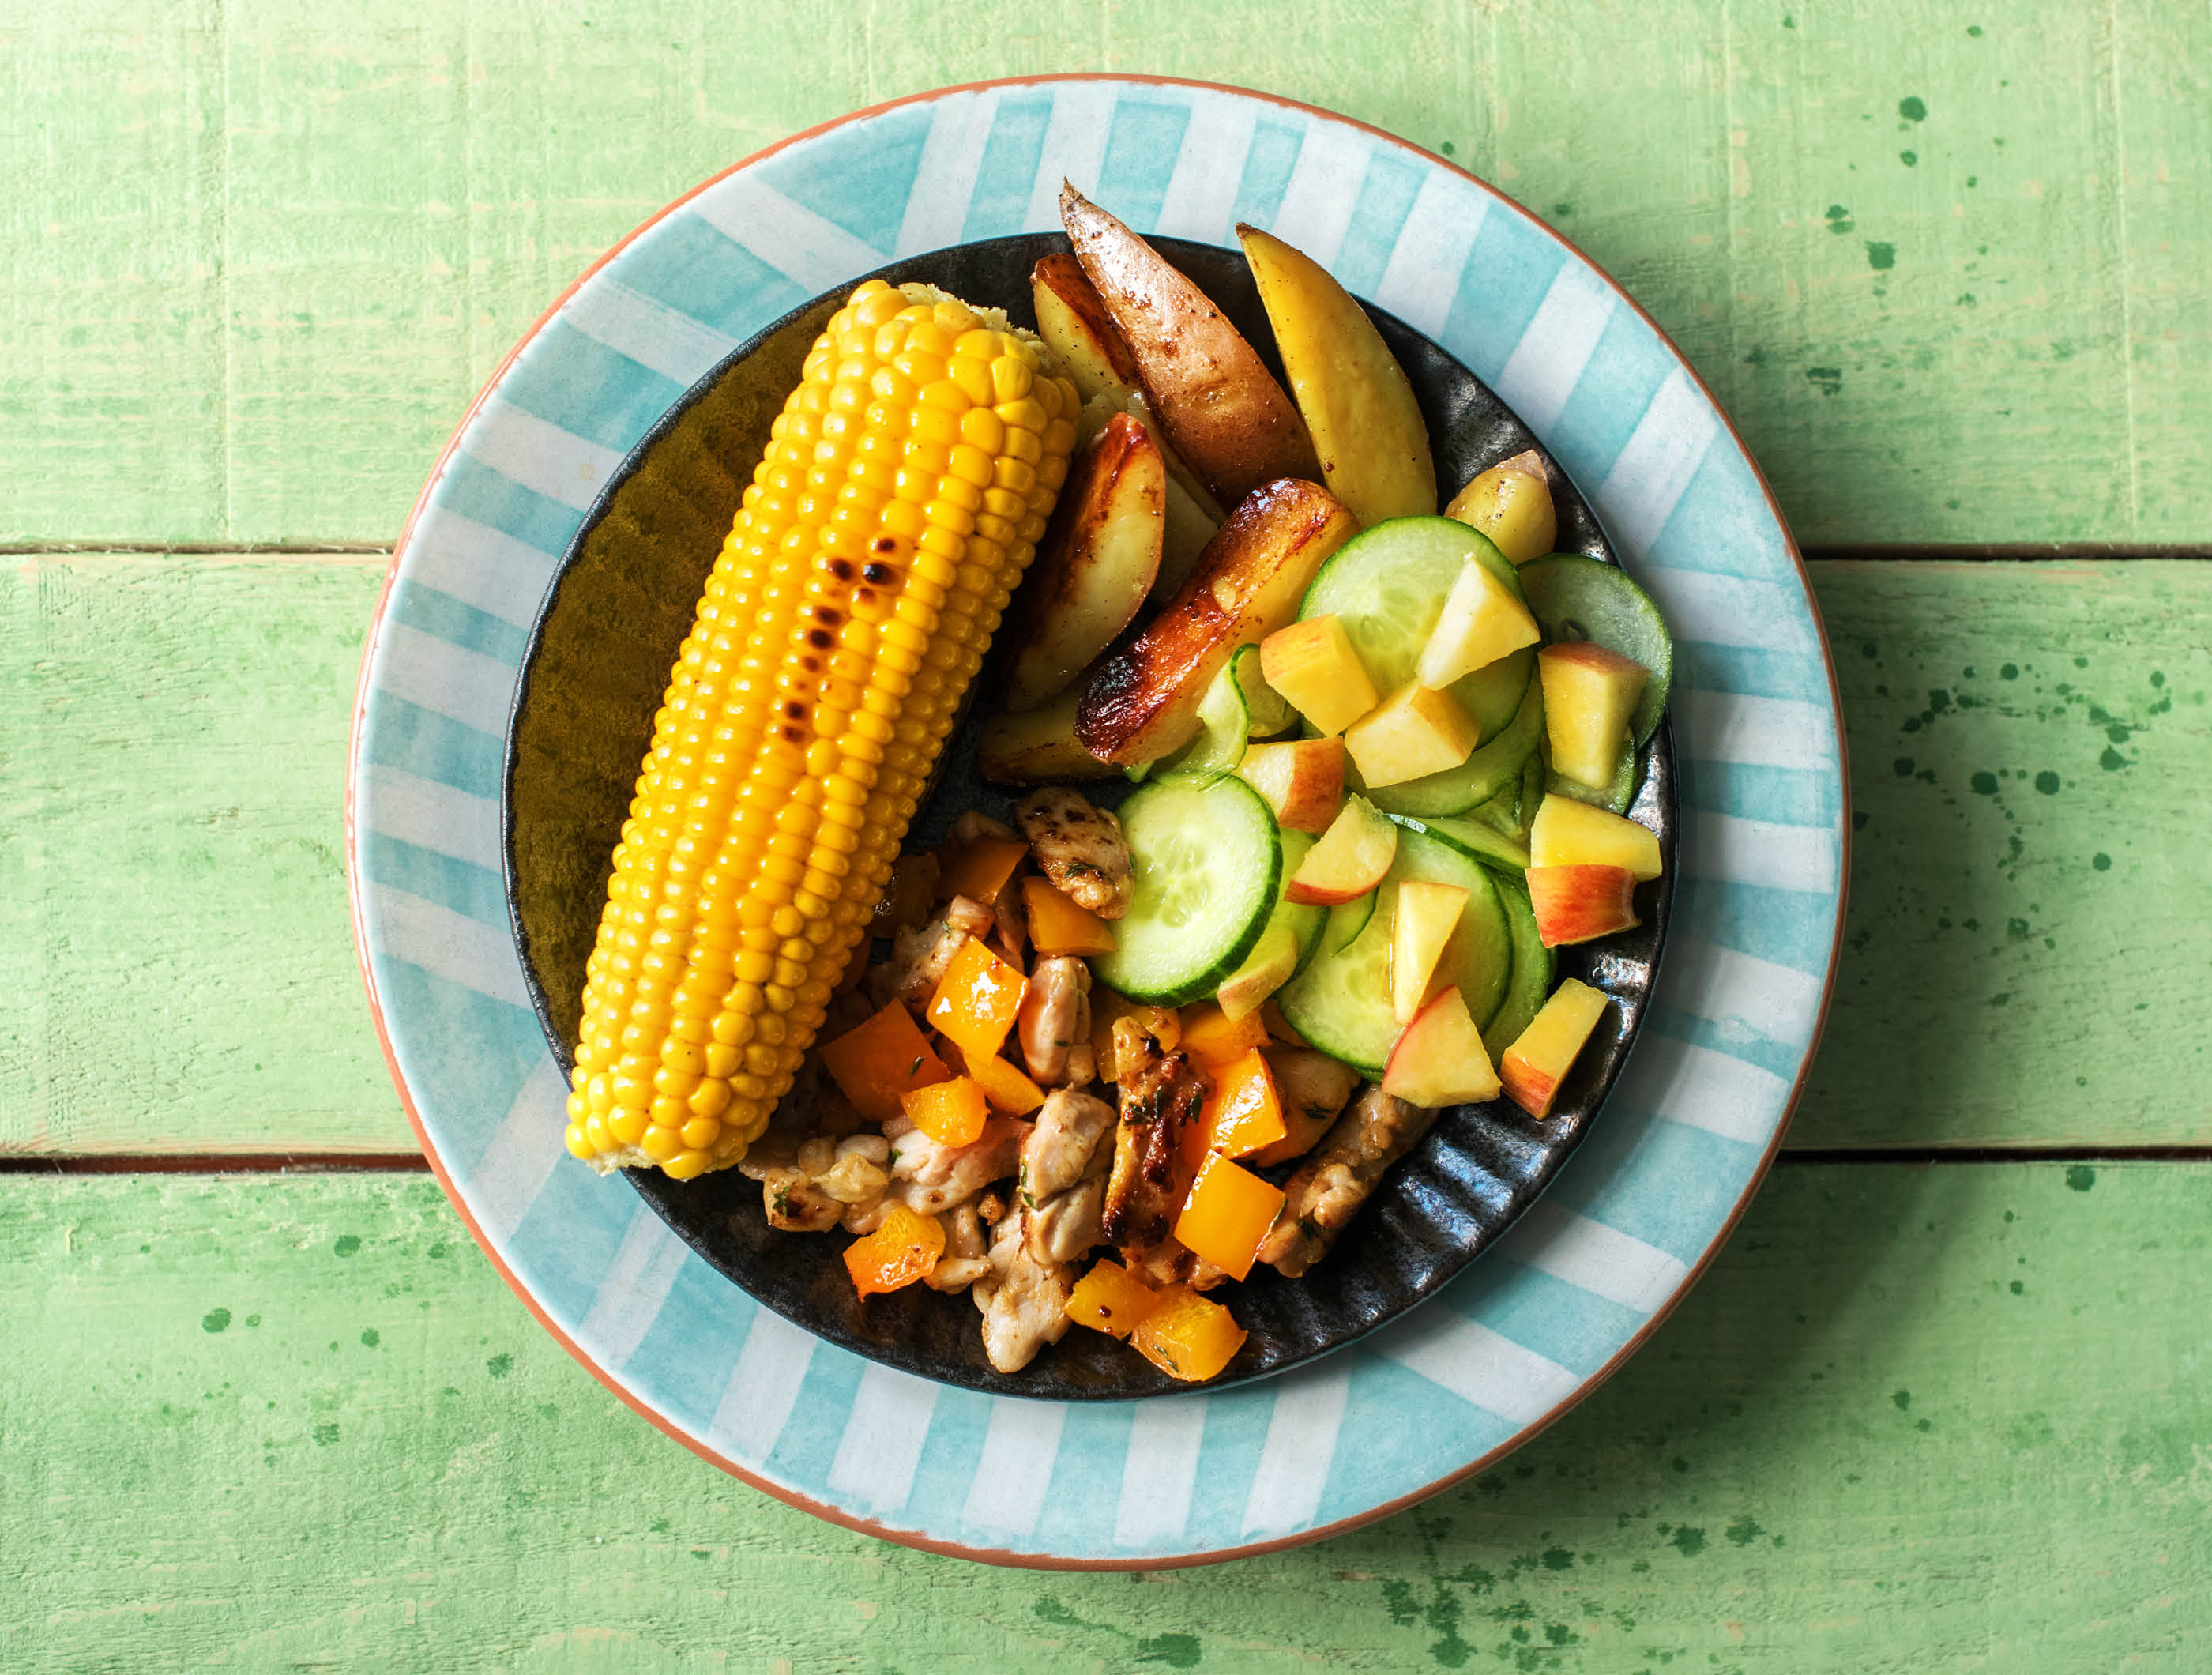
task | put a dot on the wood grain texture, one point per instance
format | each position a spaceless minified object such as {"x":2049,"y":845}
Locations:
{"x":1913,"y":1420}
{"x":176,"y":969}
{"x":264,"y":255}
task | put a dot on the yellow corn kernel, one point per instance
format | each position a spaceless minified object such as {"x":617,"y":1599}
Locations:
{"x":894,"y":511}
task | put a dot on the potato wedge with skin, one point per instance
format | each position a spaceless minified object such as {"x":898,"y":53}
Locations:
{"x":1142,"y":702}
{"x":1095,"y":565}
{"x":1359,"y":410}
{"x":1075,"y":326}
{"x":1038,"y":747}
{"x":1222,"y":409}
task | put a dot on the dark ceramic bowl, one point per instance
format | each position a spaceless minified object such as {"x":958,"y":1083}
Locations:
{"x":598,"y":661}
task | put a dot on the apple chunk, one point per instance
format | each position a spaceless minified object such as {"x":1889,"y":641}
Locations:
{"x":1416,"y":730}
{"x":1577,"y":903}
{"x":1301,"y":779}
{"x":1511,"y":503}
{"x":1540,"y":1058}
{"x":1567,"y":833}
{"x":1095,"y":565}
{"x":1426,"y":915}
{"x":1314,"y":666}
{"x":1482,"y":622}
{"x":1349,"y":860}
{"x":1220,"y":405}
{"x":1142,"y":702}
{"x":1589,"y":694}
{"x":1439,"y":1058}
{"x":1075,"y":325}
{"x":1360,"y":411}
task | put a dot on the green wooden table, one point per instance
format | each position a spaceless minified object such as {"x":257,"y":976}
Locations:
{"x":1942,"y":1402}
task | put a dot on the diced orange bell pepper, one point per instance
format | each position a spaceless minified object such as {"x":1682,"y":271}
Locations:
{"x":912,"y":893}
{"x":1010,"y":1092}
{"x":952,"y":1113}
{"x":979,"y":869}
{"x":1244,"y":1113}
{"x":1188,"y":1337}
{"x":1110,"y":1299}
{"x":1213,"y":1038}
{"x":1228,"y":1213}
{"x":904,"y":1248}
{"x":976,"y":999}
{"x":878,"y":1063}
{"x":1060,"y":925}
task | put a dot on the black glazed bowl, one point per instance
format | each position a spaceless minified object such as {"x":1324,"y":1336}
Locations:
{"x":593,"y":676}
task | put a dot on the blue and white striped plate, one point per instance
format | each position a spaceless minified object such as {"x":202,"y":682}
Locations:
{"x":1531,"y":1327}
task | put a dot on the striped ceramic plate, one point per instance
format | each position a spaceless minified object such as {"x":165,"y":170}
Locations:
{"x":1533,"y":1325}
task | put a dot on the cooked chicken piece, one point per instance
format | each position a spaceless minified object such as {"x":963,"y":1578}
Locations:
{"x":1063,"y":1176}
{"x":1005,"y":1242}
{"x":1054,"y":1017}
{"x":1079,"y":848}
{"x":1011,"y":933}
{"x":1330,"y":1188}
{"x":930,"y":1176}
{"x":1313,"y":1088}
{"x":1082,"y":1065}
{"x":965,"y":1259}
{"x":1161,"y":1095}
{"x":919,"y":957}
{"x":796,"y":1203}
{"x":1028,"y":1311}
{"x":975,"y":824}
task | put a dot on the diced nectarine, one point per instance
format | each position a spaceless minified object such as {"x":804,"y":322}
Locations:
{"x":1301,"y":779}
{"x":1349,"y":860}
{"x":1426,"y":915}
{"x":1313,"y":664}
{"x":1568,"y":833}
{"x":1589,"y":694}
{"x":1416,"y":730}
{"x":1482,"y":622}
{"x":1535,"y":1064}
{"x":1576,"y":904}
{"x":1439,"y":1058}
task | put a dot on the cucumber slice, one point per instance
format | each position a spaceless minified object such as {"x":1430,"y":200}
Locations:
{"x":1531,"y":984}
{"x":1267,"y":711}
{"x":1576,"y":598}
{"x":1614,"y":797}
{"x":1473,"y":837}
{"x":1207,"y":863}
{"x":1388,"y":586}
{"x":1495,"y":767}
{"x":1293,"y":932}
{"x":1224,"y":725}
{"x":1346,"y":921}
{"x":1341,"y":1003}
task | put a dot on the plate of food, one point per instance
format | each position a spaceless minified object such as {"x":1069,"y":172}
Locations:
{"x":1094,"y":692}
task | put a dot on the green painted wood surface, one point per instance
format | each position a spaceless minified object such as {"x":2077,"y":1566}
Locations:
{"x":176,"y":969}
{"x":1913,"y":1420}
{"x":1943,"y":266}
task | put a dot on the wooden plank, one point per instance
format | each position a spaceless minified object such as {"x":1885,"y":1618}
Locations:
{"x":177,"y":972}
{"x":2030,"y":878}
{"x":265,"y":254}
{"x":1914,"y":1419}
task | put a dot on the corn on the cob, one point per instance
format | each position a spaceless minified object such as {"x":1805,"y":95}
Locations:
{"x":904,"y":488}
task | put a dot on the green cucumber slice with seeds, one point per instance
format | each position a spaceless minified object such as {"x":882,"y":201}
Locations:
{"x":1387,"y":587}
{"x":1267,"y":711}
{"x":1472,"y":837}
{"x":1207,"y":864}
{"x":1494,"y":767}
{"x":1576,"y":598}
{"x":1224,"y":726}
{"x":1530,"y":985}
{"x":1341,"y":1003}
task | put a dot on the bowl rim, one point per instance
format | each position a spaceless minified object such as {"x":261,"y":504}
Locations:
{"x":1004,"y":1556}
{"x":1658,"y":750}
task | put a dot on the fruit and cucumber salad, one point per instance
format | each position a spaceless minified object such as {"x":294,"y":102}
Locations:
{"x":1383,"y":758}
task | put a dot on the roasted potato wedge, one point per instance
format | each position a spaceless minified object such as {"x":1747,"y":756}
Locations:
{"x":1191,"y":515}
{"x":1223,"y":410}
{"x":1142,"y":702}
{"x":1358,"y":406}
{"x":1095,"y":565}
{"x":1075,"y":326}
{"x":1511,"y":503}
{"x":1037,"y":747}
